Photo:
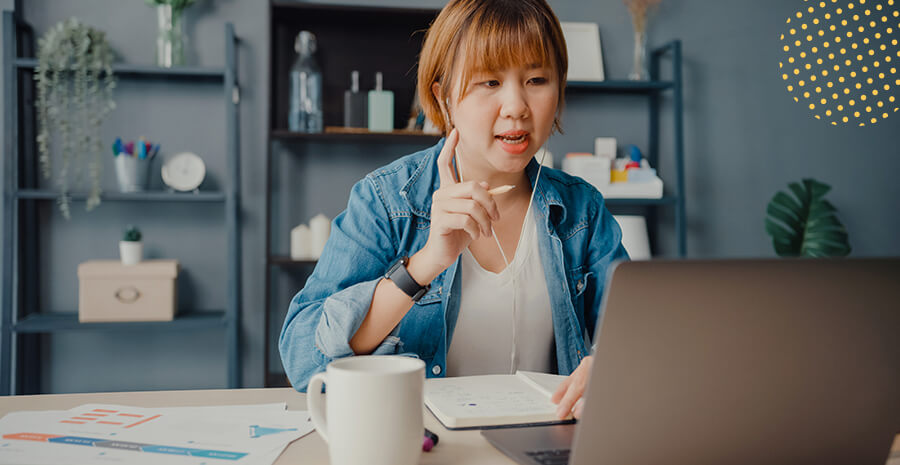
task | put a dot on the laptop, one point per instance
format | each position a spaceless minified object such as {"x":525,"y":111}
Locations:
{"x":763,"y":362}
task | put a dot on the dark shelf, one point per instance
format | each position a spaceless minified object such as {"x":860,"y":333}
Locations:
{"x":665,"y":200}
{"x":150,"y":196}
{"x":278,"y":379}
{"x":58,"y":322}
{"x":295,"y":5}
{"x":633,"y":87}
{"x":386,"y":137}
{"x":281,"y":260}
{"x":149,"y":71}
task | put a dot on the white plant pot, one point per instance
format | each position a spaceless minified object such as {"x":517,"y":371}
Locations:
{"x":131,"y":252}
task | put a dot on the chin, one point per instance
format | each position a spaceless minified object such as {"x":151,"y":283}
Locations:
{"x":508,"y":163}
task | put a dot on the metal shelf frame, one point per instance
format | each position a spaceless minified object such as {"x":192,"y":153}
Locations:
{"x":21,"y":318}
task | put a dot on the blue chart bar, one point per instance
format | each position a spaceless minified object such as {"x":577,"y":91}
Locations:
{"x":74,"y":440}
{"x":167,"y":450}
{"x":133,"y":446}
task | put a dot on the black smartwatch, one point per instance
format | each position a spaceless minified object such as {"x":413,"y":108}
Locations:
{"x":400,"y":276}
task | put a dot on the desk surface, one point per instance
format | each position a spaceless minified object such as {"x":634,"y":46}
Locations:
{"x":454,"y":447}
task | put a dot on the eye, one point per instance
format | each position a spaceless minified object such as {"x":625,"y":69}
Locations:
{"x":537,"y":81}
{"x":491,"y":83}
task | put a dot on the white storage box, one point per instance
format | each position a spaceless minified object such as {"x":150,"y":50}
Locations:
{"x":111,"y":291}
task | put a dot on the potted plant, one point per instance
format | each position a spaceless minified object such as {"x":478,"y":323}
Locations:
{"x":131,"y":249}
{"x":806,"y":225}
{"x":74,"y":94}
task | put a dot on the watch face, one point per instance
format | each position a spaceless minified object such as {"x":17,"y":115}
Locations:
{"x":184,"y":171}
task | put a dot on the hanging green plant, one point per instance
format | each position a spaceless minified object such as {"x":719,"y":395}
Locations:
{"x":806,"y":225}
{"x":75,"y":86}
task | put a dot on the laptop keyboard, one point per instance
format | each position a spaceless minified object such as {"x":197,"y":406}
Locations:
{"x":550,"y":457}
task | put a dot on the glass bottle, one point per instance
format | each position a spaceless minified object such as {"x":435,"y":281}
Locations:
{"x":170,"y":37}
{"x":305,"y":113}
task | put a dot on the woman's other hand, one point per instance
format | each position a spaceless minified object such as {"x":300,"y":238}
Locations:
{"x":570,"y":392}
{"x":460,"y":212}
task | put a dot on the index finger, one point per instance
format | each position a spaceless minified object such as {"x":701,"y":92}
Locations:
{"x":445,"y":159}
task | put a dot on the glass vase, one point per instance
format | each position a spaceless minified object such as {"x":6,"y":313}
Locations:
{"x":170,"y":39}
{"x":639,"y":70}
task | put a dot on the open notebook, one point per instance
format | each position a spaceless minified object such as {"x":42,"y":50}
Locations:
{"x":493,"y":401}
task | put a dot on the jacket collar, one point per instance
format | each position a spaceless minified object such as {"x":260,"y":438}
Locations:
{"x":425,"y":180}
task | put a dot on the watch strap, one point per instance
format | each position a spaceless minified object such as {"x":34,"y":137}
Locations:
{"x":400,"y":276}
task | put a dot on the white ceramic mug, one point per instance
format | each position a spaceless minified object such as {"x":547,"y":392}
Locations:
{"x":374,"y":409}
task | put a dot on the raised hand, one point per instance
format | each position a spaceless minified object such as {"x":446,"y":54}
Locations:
{"x":460,"y":211}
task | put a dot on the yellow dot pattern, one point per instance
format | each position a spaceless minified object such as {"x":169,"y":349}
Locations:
{"x":850,"y":46}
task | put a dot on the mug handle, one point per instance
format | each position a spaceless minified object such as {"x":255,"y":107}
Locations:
{"x":315,"y":403}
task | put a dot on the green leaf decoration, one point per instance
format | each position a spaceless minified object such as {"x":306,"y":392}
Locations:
{"x":806,"y":224}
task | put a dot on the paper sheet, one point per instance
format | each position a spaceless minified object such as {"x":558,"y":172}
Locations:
{"x":111,"y":434}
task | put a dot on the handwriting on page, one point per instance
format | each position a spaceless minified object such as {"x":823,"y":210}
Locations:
{"x":488,"y":400}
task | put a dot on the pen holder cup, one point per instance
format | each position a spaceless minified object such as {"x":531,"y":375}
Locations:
{"x":132,"y":173}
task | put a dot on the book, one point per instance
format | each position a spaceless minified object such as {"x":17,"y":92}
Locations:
{"x":494,"y":401}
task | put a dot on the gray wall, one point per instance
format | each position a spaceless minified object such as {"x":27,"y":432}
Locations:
{"x":744,"y":140}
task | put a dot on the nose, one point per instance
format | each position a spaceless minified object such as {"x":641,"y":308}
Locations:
{"x":514,"y":103}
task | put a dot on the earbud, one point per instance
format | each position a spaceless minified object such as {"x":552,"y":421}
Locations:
{"x":447,"y":111}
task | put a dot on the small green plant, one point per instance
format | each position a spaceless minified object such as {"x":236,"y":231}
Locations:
{"x":806,"y":225}
{"x":132,"y":234}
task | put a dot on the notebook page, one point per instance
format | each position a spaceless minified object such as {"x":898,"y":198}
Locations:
{"x":543,"y":382}
{"x":488,"y":396}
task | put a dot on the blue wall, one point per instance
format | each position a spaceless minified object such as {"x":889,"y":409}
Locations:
{"x":745,"y":139}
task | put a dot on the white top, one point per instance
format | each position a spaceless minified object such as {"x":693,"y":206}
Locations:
{"x":483,"y":338}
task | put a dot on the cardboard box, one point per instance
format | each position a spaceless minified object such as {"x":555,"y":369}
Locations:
{"x":111,"y":291}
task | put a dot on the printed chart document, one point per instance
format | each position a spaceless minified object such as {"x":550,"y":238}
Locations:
{"x":492,"y":401}
{"x":111,"y":434}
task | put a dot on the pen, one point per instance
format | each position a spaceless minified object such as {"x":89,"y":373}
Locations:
{"x":429,"y":441}
{"x":501,"y":190}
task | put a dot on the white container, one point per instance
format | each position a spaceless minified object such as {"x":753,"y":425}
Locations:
{"x":634,"y":236}
{"x":594,"y":170}
{"x":605,"y":147}
{"x":132,"y":173}
{"x":319,"y":228}
{"x":131,"y":252}
{"x":301,"y":242}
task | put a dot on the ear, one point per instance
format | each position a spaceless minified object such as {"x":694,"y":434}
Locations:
{"x":436,"y":90}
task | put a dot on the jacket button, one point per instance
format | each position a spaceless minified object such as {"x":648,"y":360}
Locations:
{"x":436,"y":370}
{"x":579,"y":285}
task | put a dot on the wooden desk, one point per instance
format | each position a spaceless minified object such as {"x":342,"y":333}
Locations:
{"x":455,"y":446}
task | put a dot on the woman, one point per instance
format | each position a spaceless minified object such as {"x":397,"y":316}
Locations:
{"x":468,"y":255}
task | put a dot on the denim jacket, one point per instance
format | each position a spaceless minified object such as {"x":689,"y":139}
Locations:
{"x":387,"y":217}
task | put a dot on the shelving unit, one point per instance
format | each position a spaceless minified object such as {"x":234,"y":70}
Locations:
{"x":328,"y":23}
{"x":21,"y":319}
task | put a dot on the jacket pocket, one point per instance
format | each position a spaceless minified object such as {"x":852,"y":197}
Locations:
{"x":578,"y":282}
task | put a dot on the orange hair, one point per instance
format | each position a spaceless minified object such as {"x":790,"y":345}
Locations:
{"x":495,"y":35}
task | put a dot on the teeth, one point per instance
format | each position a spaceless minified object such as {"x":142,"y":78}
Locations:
{"x":513,"y":139}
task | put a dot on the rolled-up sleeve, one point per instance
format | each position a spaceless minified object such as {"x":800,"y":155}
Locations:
{"x":325,"y":314}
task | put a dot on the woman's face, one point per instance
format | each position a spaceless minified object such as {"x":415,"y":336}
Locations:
{"x":505,"y":117}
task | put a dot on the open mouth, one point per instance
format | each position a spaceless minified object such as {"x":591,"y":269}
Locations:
{"x":512,"y":138}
